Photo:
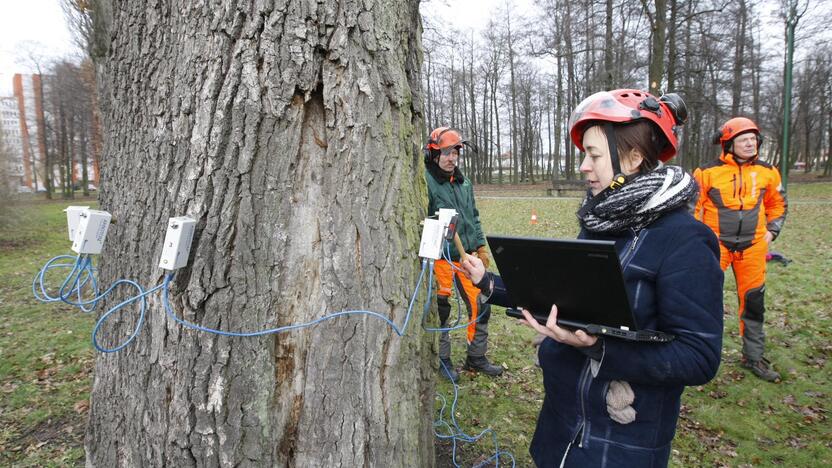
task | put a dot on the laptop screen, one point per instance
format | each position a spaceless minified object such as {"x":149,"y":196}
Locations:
{"x":583,"y":277}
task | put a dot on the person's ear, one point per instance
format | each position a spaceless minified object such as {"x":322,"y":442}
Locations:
{"x":633,"y":161}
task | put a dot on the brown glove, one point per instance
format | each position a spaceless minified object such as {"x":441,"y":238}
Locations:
{"x":483,"y":255}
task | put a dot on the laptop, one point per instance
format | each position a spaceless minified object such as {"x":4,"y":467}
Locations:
{"x":583,"y":277}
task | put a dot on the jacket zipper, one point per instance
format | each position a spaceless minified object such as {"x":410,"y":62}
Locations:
{"x":740,"y":180}
{"x":740,"y":213}
{"x":454,"y":188}
{"x":625,"y":260}
{"x":579,"y":434}
{"x":583,"y":404}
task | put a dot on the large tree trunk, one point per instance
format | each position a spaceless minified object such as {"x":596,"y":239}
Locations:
{"x":290,"y":132}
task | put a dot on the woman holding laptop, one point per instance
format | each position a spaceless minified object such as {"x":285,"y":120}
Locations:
{"x":613,"y":402}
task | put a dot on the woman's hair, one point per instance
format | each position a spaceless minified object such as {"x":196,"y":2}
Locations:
{"x":643,"y":137}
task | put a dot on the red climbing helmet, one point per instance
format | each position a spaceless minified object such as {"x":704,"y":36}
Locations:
{"x":668,"y":113}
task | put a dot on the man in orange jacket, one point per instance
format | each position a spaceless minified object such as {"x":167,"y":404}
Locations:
{"x":742,"y":199}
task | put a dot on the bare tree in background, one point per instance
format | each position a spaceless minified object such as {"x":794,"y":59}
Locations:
{"x":712,"y":52}
{"x":658,"y":33}
{"x":6,"y":190}
{"x":33,"y":56}
{"x":79,"y":16}
{"x":741,"y":21}
{"x":70,"y":98}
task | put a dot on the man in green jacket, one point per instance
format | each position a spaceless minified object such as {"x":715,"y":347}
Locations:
{"x":448,"y":188}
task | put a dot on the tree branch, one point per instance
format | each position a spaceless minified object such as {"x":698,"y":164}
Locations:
{"x":649,"y":15}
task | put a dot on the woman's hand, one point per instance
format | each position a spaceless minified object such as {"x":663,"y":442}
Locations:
{"x":473,"y":268}
{"x":578,"y":338}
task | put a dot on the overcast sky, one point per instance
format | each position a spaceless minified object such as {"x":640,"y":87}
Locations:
{"x":43,"y":21}
{"x":469,"y":14}
{"x":30,"y":20}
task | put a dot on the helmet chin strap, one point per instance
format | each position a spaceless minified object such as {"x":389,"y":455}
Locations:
{"x":618,"y":178}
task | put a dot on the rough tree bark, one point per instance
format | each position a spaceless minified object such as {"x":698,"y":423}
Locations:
{"x":289,"y":130}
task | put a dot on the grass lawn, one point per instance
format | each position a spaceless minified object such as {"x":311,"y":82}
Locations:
{"x":47,"y":358}
{"x":736,"y":420}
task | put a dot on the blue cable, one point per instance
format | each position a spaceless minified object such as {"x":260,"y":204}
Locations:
{"x":141,"y":295}
{"x":84,"y":266}
{"x":79,"y":265}
{"x":456,"y":434}
{"x":400,"y":332}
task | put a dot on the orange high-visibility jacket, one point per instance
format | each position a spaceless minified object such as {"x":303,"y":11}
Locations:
{"x":740,"y":202}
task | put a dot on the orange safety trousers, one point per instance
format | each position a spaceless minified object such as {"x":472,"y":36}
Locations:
{"x":749,"y":267}
{"x":445,"y":277}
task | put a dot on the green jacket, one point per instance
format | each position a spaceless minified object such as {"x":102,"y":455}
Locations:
{"x":455,"y":192}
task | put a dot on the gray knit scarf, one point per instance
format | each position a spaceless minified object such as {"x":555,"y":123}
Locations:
{"x":639,"y":202}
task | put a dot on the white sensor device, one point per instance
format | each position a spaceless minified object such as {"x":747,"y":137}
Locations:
{"x":91,"y":231}
{"x":445,"y":216}
{"x":432,"y":236}
{"x":177,"y":245}
{"x":73,"y":217}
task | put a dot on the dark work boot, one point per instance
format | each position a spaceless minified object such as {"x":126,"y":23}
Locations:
{"x":761,"y":369}
{"x":481,"y":364}
{"x":446,"y":369}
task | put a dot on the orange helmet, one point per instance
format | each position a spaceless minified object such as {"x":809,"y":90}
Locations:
{"x":668,"y":113}
{"x":440,"y":139}
{"x":734,"y":127}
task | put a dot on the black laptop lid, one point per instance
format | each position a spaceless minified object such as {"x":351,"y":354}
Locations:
{"x":583,"y":277}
